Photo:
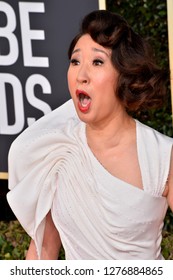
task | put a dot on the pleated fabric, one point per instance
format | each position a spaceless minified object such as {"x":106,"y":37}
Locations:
{"x":97,"y":215}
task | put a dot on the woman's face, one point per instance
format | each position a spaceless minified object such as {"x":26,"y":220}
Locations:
{"x":92,"y":82}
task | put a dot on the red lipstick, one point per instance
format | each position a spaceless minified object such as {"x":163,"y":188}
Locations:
{"x":84,"y":101}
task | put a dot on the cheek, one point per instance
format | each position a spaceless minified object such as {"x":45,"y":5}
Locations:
{"x":107,"y":82}
{"x":113,"y":81}
{"x":68,"y":76}
{"x":70,"y":79}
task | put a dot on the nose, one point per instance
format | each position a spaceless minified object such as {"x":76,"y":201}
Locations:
{"x":83,"y":74}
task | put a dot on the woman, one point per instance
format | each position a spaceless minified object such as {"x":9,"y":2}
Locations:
{"x":98,"y":182}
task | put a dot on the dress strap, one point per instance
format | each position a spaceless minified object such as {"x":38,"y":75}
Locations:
{"x":154,"y":152}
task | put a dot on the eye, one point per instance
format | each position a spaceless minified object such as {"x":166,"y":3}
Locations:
{"x":74,"y":61}
{"x":98,"y":62}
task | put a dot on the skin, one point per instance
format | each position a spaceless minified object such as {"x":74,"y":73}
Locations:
{"x":51,"y":243}
{"x":169,"y":189}
{"x":110,"y":131}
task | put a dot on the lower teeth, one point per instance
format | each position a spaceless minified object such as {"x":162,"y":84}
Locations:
{"x":84,"y":105}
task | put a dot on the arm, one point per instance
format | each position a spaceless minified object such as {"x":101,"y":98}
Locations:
{"x":51,"y":243}
{"x":170,"y":185}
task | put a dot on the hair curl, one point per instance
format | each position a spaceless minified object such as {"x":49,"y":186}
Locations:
{"x":141,"y":83}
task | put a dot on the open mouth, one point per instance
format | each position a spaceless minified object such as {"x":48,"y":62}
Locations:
{"x":84,"y":100}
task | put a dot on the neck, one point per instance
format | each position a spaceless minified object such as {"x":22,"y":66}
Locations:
{"x":111,"y":133}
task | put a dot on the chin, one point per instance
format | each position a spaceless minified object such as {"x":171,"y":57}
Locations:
{"x":85,"y":117}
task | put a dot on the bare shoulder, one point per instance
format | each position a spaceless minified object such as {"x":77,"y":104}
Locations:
{"x":170,"y":184}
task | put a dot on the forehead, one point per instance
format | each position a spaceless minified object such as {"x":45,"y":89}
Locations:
{"x":86,"y":43}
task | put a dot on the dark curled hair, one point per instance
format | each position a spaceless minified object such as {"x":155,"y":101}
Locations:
{"x":141,"y":84}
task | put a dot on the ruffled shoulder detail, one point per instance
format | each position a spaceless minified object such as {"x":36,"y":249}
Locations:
{"x":154,"y":150}
{"x":35,"y":159}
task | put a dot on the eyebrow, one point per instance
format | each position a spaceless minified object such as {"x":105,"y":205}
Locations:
{"x":94,"y":49}
{"x":99,"y":50}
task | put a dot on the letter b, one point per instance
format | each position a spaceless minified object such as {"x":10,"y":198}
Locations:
{"x":7,"y":32}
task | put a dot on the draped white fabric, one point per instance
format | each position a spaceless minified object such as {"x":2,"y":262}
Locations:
{"x":34,"y":159}
{"x":97,"y":215}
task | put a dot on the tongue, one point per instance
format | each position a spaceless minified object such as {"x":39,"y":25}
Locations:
{"x":85,"y":101}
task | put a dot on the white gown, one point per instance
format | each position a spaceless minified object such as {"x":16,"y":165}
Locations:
{"x":97,"y":215}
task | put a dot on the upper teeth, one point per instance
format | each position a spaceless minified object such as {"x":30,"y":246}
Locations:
{"x":82,"y":96}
